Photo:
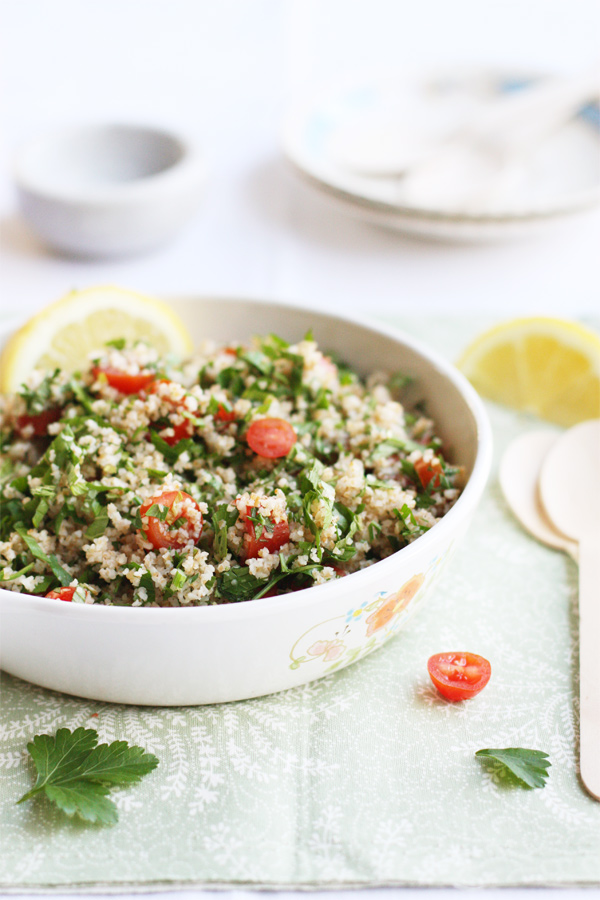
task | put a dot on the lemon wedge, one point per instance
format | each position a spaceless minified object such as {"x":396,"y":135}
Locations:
{"x":65,"y":333}
{"x":545,"y":366}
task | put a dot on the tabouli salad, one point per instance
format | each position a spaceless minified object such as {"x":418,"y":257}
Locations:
{"x":247,"y":471}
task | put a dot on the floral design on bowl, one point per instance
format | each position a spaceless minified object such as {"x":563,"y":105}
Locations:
{"x":385,"y":612}
{"x":346,"y":638}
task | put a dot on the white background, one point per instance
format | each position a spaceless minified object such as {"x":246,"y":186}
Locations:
{"x":224,"y":71}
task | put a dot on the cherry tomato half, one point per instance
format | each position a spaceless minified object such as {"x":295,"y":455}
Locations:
{"x":63,"y":593}
{"x":458,"y":676}
{"x":271,"y":438}
{"x":182,"y":511}
{"x":428,"y":471}
{"x":123,"y":381}
{"x":273,"y":540}
{"x":39,"y":422}
{"x":183,"y":429}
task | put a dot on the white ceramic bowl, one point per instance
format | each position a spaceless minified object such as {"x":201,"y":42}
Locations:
{"x":108,"y":190}
{"x":172,"y":657}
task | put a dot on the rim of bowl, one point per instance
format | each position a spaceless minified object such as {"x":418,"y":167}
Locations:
{"x":468,"y":499}
{"x":189,"y":167}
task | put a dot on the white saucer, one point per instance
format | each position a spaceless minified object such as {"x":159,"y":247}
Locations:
{"x":328,"y":135}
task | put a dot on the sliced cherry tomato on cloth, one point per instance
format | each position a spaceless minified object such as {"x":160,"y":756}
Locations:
{"x":273,"y":539}
{"x":124,"y":382}
{"x":429,"y":471}
{"x":38,"y":422}
{"x":271,"y":438}
{"x":183,"y":429}
{"x":63,"y":593}
{"x":177,"y":522}
{"x":460,"y":675}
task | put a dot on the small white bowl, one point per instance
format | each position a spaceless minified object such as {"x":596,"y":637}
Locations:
{"x":210,"y":654}
{"x":108,"y":190}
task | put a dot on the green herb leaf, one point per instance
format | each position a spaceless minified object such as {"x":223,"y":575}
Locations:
{"x":77,"y":483}
{"x":100,"y":522}
{"x":410,"y":527}
{"x":222,"y":520}
{"x":80,"y":594}
{"x":50,"y":560}
{"x":395,"y":445}
{"x":147,"y":583}
{"x":6,"y":470}
{"x":18,"y":574}
{"x":238,"y":583}
{"x":157,"y":474}
{"x":158,"y":511}
{"x":529,"y":766}
{"x":171,"y":454}
{"x":258,"y":361}
{"x":178,"y":581}
{"x":374,"y":529}
{"x":41,"y":510}
{"x":347,"y":522}
{"x":76,"y":773}
{"x":81,"y":394}
{"x":40,"y":398}
{"x":231,"y":380}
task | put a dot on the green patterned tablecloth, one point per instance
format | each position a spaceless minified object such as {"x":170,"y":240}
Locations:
{"x":366,"y":777}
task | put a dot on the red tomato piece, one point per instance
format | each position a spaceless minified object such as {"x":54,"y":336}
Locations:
{"x":38,"y":422}
{"x":429,"y":471}
{"x":179,"y":506}
{"x":273,"y":540}
{"x":458,"y":676}
{"x":181,"y":430}
{"x":271,"y":438}
{"x":124,"y":382}
{"x":224,"y":415}
{"x":63,"y":593}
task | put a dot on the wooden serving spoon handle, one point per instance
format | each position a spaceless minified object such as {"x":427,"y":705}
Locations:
{"x":589,"y":662}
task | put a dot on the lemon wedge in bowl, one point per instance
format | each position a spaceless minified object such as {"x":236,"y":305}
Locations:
{"x":546,"y":366}
{"x":63,"y":334}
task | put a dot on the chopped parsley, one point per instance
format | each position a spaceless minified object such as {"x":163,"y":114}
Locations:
{"x":344,"y":494}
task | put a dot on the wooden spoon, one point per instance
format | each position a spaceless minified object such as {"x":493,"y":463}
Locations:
{"x":519,"y":473}
{"x":570,"y":493}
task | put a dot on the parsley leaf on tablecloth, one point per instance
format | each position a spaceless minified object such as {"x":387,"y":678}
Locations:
{"x":529,"y":766}
{"x":76,"y":773}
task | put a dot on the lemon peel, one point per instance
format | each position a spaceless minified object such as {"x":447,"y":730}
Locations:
{"x":64,"y":333}
{"x":546,"y":366}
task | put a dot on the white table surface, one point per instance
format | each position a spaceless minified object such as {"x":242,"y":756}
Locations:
{"x":224,"y":72}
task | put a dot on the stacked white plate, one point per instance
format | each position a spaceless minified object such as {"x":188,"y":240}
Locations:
{"x":352,"y":141}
